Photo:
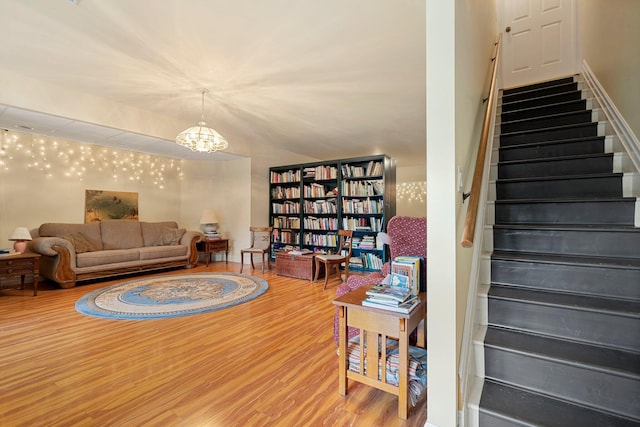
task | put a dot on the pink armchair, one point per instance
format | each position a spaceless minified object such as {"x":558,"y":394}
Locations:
{"x":408,"y":237}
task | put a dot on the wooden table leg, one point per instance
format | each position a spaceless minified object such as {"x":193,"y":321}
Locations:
{"x":403,"y":383}
{"x":342,"y":361}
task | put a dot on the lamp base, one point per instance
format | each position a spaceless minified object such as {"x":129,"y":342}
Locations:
{"x":210,"y":228}
{"x":20,"y":246}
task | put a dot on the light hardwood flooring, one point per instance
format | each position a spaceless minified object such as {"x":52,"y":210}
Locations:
{"x":268,"y":362}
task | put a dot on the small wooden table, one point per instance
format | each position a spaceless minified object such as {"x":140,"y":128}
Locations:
{"x":210,"y":246}
{"x":13,"y":265}
{"x":378,"y":321}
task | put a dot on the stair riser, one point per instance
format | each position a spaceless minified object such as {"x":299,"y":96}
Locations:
{"x":546,"y":122}
{"x":593,"y":243}
{"x":558,"y":167}
{"x":553,"y":134}
{"x":540,"y":102}
{"x":564,"y":107}
{"x":586,"y":326}
{"x":574,"y":383}
{"x":533,"y":87}
{"x":572,"y":213}
{"x":608,"y":186}
{"x":542,"y":151}
{"x":582,"y":279}
{"x":540,"y":92}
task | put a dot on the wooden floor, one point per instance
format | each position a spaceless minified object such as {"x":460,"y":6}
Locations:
{"x":268,"y":362}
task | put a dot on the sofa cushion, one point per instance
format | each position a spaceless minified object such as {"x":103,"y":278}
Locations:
{"x":91,"y":231}
{"x":80,"y":242}
{"x":91,"y":259}
{"x":151,"y":231}
{"x":158,"y":252}
{"x":121,"y":234}
{"x":170,"y":236}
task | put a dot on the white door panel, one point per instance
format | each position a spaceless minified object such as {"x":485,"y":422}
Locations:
{"x":538,"y":40}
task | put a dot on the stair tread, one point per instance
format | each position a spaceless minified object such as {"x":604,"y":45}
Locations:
{"x":567,"y":200}
{"x":547,"y":129}
{"x":561,"y":177}
{"x":627,"y":263}
{"x":551,"y":142}
{"x":623,"y":362}
{"x":554,"y":159}
{"x":570,"y":227}
{"x":584,"y":302}
{"x":555,"y":104}
{"x":544,"y":117}
{"x":540,"y":85}
{"x":535,"y":409}
{"x":569,"y":86}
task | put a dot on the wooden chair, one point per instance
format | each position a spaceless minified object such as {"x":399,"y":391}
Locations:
{"x":260,"y":244}
{"x":334,"y":260}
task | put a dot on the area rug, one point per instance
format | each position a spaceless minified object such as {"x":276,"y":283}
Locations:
{"x":171,"y":296}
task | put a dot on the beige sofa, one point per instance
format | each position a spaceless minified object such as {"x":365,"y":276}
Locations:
{"x":77,"y":252}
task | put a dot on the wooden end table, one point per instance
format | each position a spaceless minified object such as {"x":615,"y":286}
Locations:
{"x":352,"y":313}
{"x":210,"y":246}
{"x":13,"y":265}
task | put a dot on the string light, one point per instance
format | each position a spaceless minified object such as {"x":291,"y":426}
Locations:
{"x":72,"y":160}
{"x":415,"y":191}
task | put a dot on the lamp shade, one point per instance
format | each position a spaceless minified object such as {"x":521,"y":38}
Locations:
{"x":208,"y":217}
{"x":20,"y":234}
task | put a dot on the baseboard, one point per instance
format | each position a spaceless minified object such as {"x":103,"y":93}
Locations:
{"x":621,"y":128}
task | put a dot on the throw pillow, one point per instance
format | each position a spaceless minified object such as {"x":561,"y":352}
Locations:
{"x":79,"y":242}
{"x":170,"y":236}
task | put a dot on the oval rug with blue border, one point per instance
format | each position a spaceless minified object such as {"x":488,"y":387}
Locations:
{"x":171,"y":296}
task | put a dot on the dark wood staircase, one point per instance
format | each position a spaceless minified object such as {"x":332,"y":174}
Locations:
{"x":562,"y":342}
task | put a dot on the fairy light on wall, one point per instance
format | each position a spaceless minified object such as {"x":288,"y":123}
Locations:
{"x":56,"y":158}
{"x":412,"y":192}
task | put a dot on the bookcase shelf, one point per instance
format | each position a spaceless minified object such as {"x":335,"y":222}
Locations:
{"x":310,"y":202}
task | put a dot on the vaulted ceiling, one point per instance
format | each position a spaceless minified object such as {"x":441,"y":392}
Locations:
{"x":324,"y":79}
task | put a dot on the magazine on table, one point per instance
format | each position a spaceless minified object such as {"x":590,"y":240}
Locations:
{"x":404,"y":307}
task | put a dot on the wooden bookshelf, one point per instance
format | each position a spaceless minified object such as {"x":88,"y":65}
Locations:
{"x":310,"y":202}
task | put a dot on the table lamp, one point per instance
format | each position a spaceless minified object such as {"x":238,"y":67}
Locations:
{"x":209,"y":219}
{"x":20,"y":236}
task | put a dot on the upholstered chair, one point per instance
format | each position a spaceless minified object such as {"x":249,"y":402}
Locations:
{"x":260,"y":244}
{"x":408,"y":237}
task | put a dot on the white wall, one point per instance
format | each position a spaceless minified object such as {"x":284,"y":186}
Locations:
{"x":460,"y":39}
{"x":609,"y":34}
{"x":44,"y":180}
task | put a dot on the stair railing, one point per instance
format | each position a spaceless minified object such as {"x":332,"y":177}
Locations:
{"x":467,"y":369}
{"x":476,"y":185}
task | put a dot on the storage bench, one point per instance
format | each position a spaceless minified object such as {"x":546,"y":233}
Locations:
{"x":297,"y":266}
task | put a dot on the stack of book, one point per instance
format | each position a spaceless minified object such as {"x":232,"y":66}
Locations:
{"x":406,"y":272}
{"x":392,"y":298}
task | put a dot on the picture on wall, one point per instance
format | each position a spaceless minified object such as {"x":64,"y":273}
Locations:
{"x":100,"y":205}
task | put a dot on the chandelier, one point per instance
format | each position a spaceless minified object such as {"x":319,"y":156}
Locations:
{"x":202,"y":138}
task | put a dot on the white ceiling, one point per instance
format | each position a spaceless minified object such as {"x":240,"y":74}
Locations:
{"x":325,"y":79}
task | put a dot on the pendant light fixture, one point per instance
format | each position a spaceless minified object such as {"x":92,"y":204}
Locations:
{"x":202,"y":138}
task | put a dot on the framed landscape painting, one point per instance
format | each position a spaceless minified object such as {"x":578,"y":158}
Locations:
{"x":100,"y":205}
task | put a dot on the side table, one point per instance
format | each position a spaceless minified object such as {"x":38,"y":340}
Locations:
{"x":374,"y":322}
{"x":210,"y":246}
{"x":13,"y":265}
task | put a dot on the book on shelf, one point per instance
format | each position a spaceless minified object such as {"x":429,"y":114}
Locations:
{"x":404,"y":307}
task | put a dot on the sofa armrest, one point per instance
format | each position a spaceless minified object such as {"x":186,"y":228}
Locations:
{"x":46,"y":246}
{"x":190,"y":239}
{"x":58,"y":261}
